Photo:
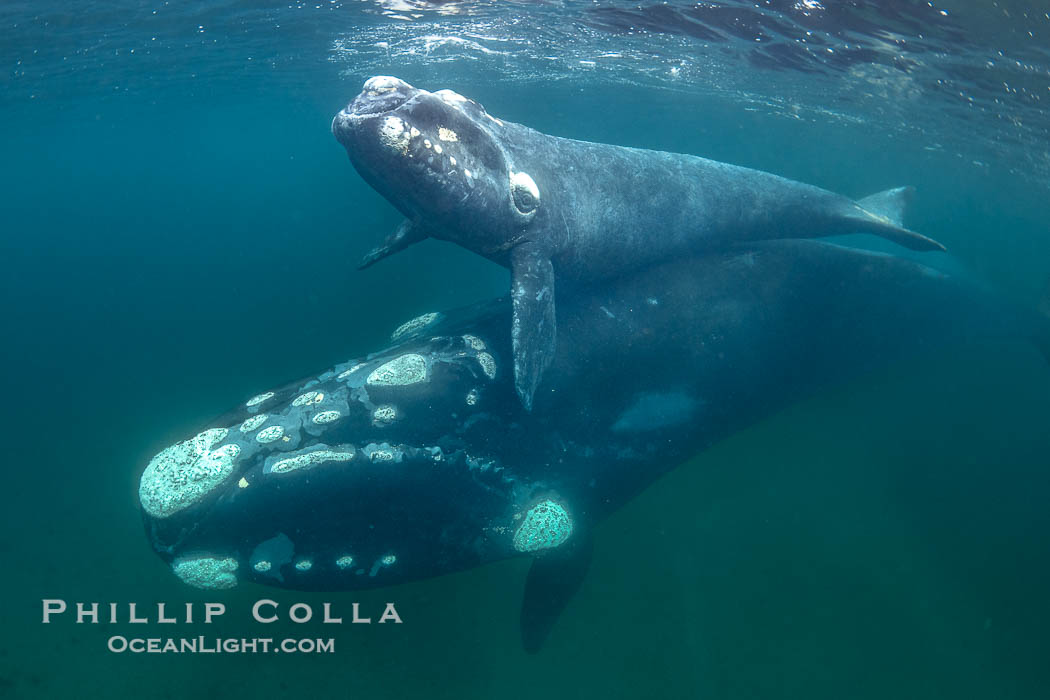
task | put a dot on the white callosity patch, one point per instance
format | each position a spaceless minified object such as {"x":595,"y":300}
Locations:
{"x":256,"y":400}
{"x":304,"y":564}
{"x":474,"y":342}
{"x":446,"y":134}
{"x":271,"y":434}
{"x":384,"y":415}
{"x":488,"y":364}
{"x":383,"y":83}
{"x":347,"y":373}
{"x":401,"y":371}
{"x":438,"y":149}
{"x":325,"y":417}
{"x":393,"y":135}
{"x":311,"y":459}
{"x":386,"y":560}
{"x":270,"y":555}
{"x":211,"y":573}
{"x":308,"y":397}
{"x":253,"y":423}
{"x":415,"y":325}
{"x":382,"y":452}
{"x":450,"y":97}
{"x":545,"y":525}
{"x":472,"y":397}
{"x":345,"y":561}
{"x":184,"y":473}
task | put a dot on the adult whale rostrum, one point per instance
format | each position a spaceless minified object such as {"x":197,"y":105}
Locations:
{"x":551,"y":207}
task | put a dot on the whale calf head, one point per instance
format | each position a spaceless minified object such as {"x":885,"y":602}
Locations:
{"x":437,"y":157}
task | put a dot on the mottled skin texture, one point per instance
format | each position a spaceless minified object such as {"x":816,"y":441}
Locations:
{"x":652,"y":369}
{"x":601,"y":209}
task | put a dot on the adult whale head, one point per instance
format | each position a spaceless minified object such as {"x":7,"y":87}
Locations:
{"x":418,"y":460}
{"x":552,"y":207}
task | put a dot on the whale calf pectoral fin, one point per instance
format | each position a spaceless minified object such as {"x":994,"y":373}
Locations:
{"x":553,"y":580}
{"x":406,"y":234}
{"x":533,"y":324}
{"x":882,"y":214}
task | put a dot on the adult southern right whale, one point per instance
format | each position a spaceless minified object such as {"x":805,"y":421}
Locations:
{"x":550,"y":207}
{"x":419,"y":460}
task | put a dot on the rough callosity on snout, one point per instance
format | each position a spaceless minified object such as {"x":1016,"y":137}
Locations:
{"x":184,"y":473}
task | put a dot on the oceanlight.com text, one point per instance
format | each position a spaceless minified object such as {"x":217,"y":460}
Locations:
{"x":119,"y":644}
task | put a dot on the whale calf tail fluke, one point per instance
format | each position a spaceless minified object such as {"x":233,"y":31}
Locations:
{"x":890,"y":204}
{"x":883,"y":215}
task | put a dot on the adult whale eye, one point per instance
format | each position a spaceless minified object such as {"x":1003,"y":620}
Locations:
{"x":524,"y":192}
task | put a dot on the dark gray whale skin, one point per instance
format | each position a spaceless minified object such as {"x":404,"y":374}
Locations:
{"x":653,"y":368}
{"x":551,"y":208}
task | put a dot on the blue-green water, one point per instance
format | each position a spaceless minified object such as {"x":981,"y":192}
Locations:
{"x":889,"y":537}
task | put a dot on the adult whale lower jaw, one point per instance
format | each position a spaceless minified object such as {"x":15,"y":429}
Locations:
{"x":555,"y":209}
{"x":418,"y":460}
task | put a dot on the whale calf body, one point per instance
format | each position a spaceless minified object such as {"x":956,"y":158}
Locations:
{"x":419,"y":460}
{"x":552,"y":208}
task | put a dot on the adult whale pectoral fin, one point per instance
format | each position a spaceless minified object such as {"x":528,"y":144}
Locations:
{"x":553,"y":580}
{"x":406,"y":234}
{"x":534,"y":328}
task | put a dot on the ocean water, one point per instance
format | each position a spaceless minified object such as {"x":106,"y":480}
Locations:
{"x":180,"y":228}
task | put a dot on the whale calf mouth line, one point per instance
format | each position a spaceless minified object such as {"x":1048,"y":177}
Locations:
{"x":461,"y":175}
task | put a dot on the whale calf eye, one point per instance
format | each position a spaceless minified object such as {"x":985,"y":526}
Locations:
{"x":525,"y":193}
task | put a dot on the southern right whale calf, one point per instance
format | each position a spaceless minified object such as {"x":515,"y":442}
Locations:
{"x":419,"y":460}
{"x":555,"y":208}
